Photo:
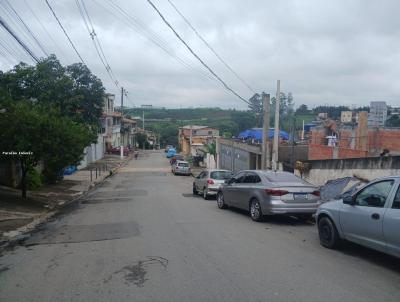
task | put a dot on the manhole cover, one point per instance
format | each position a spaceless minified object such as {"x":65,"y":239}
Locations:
{"x":86,"y":233}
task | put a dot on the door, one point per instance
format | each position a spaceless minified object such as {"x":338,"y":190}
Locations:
{"x":231,"y":189}
{"x":246,"y":191}
{"x":363,"y":222}
{"x":200,"y":181}
{"x":391,"y":225}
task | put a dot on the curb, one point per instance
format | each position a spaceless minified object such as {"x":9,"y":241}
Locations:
{"x":19,"y":235}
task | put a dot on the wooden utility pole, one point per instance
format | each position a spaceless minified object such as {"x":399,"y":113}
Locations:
{"x":265,"y":153}
{"x":276,"y":128}
{"x":122,"y":122}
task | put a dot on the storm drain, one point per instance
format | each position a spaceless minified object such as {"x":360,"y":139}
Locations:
{"x":86,"y":233}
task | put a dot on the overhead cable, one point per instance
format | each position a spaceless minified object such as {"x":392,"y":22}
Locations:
{"x":65,"y":32}
{"x":211,"y":48}
{"x":20,"y":42}
{"x":28,"y":29}
{"x":195,"y":55}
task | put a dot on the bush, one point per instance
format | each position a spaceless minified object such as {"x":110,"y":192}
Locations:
{"x":34,"y":179}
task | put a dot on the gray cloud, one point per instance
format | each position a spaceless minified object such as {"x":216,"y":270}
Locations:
{"x":334,"y":52}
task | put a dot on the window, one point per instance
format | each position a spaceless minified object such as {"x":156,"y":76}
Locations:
{"x":396,"y":201}
{"x":238,"y":178}
{"x":220,"y":175}
{"x":374,"y":195}
{"x":183,"y":165}
{"x":252,"y":178}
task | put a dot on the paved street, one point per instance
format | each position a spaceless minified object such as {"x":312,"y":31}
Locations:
{"x":142,"y":236}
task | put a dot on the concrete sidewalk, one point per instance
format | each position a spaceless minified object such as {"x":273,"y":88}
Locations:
{"x":18,"y":216}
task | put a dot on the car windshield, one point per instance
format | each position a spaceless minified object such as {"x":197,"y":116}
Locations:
{"x":183,"y":165}
{"x":221,"y":175}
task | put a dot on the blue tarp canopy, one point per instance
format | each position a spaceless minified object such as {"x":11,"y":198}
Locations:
{"x":257,"y":134}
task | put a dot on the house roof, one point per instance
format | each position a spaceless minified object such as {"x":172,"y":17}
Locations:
{"x":196,"y":127}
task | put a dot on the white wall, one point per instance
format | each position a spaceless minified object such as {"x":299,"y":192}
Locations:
{"x":92,"y":153}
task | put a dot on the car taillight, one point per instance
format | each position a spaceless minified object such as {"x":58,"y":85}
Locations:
{"x":316,"y":193}
{"x":210,"y":181}
{"x":274,"y":192}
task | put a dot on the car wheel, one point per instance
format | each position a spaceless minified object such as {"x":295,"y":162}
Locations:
{"x":220,"y":201}
{"x":195,"y":190}
{"x":205,"y":193}
{"x":328,"y":234}
{"x":255,"y":210}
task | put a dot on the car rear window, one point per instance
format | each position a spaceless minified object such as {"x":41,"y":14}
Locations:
{"x":183,"y":165}
{"x":283,"y":177}
{"x":220,"y":175}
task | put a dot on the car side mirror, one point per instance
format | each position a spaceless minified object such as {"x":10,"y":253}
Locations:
{"x":229,"y":181}
{"x":350,"y":200}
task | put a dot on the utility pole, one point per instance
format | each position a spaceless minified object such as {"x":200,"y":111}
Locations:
{"x":293,"y":131}
{"x":122,"y":122}
{"x":276,"y":128}
{"x":190,"y":139}
{"x":265,"y":153}
{"x":144,"y":142}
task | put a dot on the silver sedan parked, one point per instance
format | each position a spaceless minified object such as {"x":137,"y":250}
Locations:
{"x":208,"y":182}
{"x":181,"y":167}
{"x":370,"y":217}
{"x":269,"y":193}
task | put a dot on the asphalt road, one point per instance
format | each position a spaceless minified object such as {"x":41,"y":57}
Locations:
{"x":142,"y":236}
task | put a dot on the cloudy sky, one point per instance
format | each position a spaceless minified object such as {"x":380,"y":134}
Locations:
{"x":340,"y":52}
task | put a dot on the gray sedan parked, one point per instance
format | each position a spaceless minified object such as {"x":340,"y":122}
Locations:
{"x":269,"y":193}
{"x":370,"y":217}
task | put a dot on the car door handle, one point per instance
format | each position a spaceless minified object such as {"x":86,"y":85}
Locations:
{"x":375,"y":216}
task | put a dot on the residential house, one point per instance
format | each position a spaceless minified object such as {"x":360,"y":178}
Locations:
{"x":193,"y":137}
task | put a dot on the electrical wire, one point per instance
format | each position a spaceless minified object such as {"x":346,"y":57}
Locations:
{"x":210,"y":47}
{"x":20,"y":42}
{"x":65,"y":32}
{"x":45,"y":30}
{"x":96,"y":42}
{"x":227,"y":87}
{"x":141,"y":28}
{"x":27,"y":29}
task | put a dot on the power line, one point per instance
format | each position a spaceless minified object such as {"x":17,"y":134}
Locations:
{"x":210,"y":47}
{"x":96,"y":42}
{"x":195,"y":55}
{"x":27,"y":29}
{"x":44,"y":29}
{"x":143,"y":30}
{"x":65,"y":32}
{"x":20,"y":42}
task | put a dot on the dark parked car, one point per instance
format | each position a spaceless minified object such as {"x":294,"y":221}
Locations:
{"x":269,"y":193}
{"x":117,"y":150}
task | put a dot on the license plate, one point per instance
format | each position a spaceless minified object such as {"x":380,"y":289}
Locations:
{"x":300,"y":195}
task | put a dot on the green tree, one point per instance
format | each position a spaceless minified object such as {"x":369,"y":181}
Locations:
{"x":35,"y":135}
{"x":393,"y":121}
{"x":303,"y":109}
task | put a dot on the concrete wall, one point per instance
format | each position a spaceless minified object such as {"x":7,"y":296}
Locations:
{"x":368,"y":168}
{"x":93,"y":152}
